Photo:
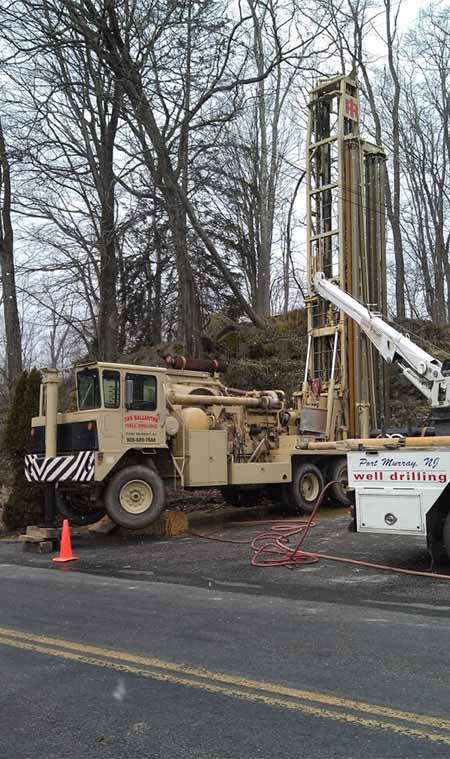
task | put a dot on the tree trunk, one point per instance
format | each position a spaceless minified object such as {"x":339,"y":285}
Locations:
{"x":108,"y":322}
{"x":395,"y":210}
{"x":392,"y":198}
{"x":265,"y":220}
{"x":189,"y":317}
{"x":10,"y":310}
{"x":108,"y":317}
{"x":189,"y":312}
{"x":157,"y":284}
{"x":157,"y":304}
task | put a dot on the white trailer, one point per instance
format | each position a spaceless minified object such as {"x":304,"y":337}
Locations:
{"x":403,"y":492}
{"x":400,"y":488}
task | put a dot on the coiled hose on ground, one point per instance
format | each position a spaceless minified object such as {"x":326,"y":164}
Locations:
{"x":274,"y":548}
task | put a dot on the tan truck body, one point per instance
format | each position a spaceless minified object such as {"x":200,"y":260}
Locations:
{"x":185,"y":424}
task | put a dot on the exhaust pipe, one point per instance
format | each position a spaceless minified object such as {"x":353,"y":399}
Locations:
{"x":51,"y":381}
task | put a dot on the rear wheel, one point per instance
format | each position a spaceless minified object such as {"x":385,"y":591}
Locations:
{"x":77,"y":506}
{"x":303,"y":492}
{"x":446,"y":535}
{"x":135,"y":497}
{"x":337,"y":470}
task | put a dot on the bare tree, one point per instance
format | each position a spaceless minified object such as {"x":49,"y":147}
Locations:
{"x":10,"y":310}
{"x":117,"y":39}
{"x":424,"y":133}
{"x":71,"y":143}
{"x":361,"y":18}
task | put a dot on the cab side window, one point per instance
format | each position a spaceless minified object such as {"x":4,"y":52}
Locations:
{"x":111,"y":388}
{"x":141,"y":392}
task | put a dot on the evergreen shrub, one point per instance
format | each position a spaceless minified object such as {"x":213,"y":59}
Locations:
{"x":25,"y":505}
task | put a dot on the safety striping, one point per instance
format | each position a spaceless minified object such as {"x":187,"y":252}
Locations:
{"x":77,"y":467}
{"x":219,"y":683}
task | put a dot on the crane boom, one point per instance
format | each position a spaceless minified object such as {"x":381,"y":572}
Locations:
{"x":421,"y":369}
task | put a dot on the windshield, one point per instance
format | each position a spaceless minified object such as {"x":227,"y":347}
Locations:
{"x":88,"y":387}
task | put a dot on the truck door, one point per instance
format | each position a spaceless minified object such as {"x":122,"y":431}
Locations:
{"x":143,"y":419}
{"x":111,"y":430}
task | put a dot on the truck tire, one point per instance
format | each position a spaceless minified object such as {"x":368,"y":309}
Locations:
{"x":337,"y":470}
{"x":76,"y":508}
{"x":302,"y":493}
{"x":135,"y":497}
{"x":446,"y":535}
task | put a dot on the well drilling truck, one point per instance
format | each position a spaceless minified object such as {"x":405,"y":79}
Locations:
{"x":137,"y":429}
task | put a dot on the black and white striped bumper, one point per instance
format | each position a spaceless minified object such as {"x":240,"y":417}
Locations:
{"x":78,"y":467}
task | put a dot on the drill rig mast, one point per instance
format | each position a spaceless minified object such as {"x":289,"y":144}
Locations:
{"x":344,"y":379}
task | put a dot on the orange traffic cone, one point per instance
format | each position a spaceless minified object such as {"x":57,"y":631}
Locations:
{"x":65,"y":552}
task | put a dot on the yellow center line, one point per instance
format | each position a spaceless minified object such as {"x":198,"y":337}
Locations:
{"x":322,"y":698}
{"x":411,"y":732}
{"x":216,"y":682}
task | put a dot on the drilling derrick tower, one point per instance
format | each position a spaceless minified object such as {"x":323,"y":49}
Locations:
{"x":343,"y":392}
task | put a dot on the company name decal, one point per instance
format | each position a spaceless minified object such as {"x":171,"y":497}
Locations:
{"x":414,"y":476}
{"x":385,"y":468}
{"x":141,"y":428}
{"x":141,"y":421}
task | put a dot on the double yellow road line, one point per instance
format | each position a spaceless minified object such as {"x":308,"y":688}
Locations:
{"x":356,"y":713}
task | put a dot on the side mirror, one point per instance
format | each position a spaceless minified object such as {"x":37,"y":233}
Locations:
{"x":128,"y":393}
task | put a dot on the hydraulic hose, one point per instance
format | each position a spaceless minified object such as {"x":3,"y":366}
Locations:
{"x":272,"y":547}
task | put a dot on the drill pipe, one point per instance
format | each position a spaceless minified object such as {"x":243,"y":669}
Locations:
{"x":354,"y":444}
{"x":222,"y":400}
{"x":195,"y":364}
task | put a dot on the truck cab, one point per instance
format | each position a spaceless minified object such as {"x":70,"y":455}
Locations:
{"x":117,"y":410}
{"x":116,"y":407}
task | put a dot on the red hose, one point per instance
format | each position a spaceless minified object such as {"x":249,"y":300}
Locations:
{"x":275,"y":542}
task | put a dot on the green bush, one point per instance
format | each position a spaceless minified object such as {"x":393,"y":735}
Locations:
{"x":26,"y":503}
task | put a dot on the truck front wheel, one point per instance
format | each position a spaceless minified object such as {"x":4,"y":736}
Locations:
{"x":135,"y":497}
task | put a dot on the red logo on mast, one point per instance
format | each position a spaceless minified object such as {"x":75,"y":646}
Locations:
{"x":351,"y":108}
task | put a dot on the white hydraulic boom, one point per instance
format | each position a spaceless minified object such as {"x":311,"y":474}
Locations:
{"x":426,"y":373}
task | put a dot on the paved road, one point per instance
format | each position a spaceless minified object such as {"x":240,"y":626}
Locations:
{"x":115,"y":662}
